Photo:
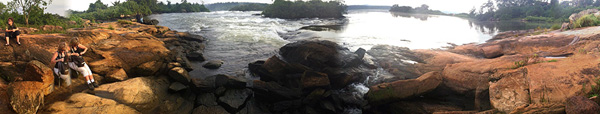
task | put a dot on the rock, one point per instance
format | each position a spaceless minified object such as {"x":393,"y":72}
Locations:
{"x":189,"y":37}
{"x":147,"y":69}
{"x":207,"y":99}
{"x":360,"y":52}
{"x":235,"y":98}
{"x":473,"y":76}
{"x":176,"y":86}
{"x":26,"y":30}
{"x":273,"y":69}
{"x":213,"y":64}
{"x":173,"y":65}
{"x":399,"y":61}
{"x":116,"y":76}
{"x":210,"y":110}
{"x":220,"y":80}
{"x":51,"y":28}
{"x":195,"y":56}
{"x":492,"y":51}
{"x":142,"y":93}
{"x":26,"y":97}
{"x":581,"y":105}
{"x":564,"y":26}
{"x":543,"y":108}
{"x":318,"y":55}
{"x":37,"y":71}
{"x":311,"y":79}
{"x":180,"y":75}
{"x":271,"y":91}
{"x":252,"y":108}
{"x":510,"y":92}
{"x":402,"y":89}
{"x":85,"y":103}
{"x":576,"y":16}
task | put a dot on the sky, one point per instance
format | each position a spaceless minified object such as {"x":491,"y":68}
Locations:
{"x":451,"y":6}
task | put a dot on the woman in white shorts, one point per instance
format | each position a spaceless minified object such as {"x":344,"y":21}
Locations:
{"x":77,"y":50}
{"x":58,"y":60}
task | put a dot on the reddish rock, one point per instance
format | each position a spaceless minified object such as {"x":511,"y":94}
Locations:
{"x":492,"y":51}
{"x":581,"y":105}
{"x":26,"y":97}
{"x":403,"y":89}
{"x":312,"y":79}
{"x":37,"y":71}
{"x":510,"y":92}
{"x":51,"y":28}
{"x":116,"y":76}
{"x":541,"y":108}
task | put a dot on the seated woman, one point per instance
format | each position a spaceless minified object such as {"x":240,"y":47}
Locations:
{"x":59,"y":60}
{"x":77,"y":63}
{"x":11,"y":32}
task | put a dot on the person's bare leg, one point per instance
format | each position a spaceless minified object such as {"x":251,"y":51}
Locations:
{"x":7,"y":41}
{"x":18,"y":42}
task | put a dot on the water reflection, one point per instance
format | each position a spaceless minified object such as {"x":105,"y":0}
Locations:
{"x":422,"y":17}
{"x":493,"y":27}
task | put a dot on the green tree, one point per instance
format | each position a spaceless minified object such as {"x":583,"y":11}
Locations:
{"x":98,"y":5}
{"x":28,"y":6}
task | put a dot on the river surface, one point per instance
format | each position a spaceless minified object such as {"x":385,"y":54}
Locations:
{"x":239,"y":38}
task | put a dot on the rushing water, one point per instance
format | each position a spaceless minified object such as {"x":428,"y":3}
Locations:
{"x":239,"y":38}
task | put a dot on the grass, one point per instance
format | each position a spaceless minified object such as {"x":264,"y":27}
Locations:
{"x":110,"y":27}
{"x":124,"y":22}
{"x":555,"y":27}
{"x":586,"y":21}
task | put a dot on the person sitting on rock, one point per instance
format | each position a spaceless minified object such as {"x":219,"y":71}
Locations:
{"x":59,"y":61}
{"x":77,"y":63}
{"x":11,"y":32}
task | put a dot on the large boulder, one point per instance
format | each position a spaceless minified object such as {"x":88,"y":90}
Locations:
{"x":581,"y":105}
{"x":236,"y":97}
{"x":85,"y":103}
{"x":51,"y":28}
{"x":311,"y":79}
{"x":37,"y":71}
{"x":575,"y":16}
{"x":26,"y":97}
{"x":272,"y":91}
{"x":143,"y":93}
{"x":319,"y":55}
{"x":399,"y":61}
{"x":403,"y":89}
{"x":492,"y":51}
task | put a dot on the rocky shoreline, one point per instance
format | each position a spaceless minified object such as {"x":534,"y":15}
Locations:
{"x":144,"y":69}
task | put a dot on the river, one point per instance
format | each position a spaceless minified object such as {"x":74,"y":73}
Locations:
{"x":239,"y":38}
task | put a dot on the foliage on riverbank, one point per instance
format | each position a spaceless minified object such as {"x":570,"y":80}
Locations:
{"x":586,"y":21}
{"x":423,"y":9}
{"x":250,"y":7}
{"x":529,"y":10}
{"x":130,"y":8}
{"x":301,"y":9}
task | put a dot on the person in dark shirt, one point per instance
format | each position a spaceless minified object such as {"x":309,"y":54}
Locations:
{"x":11,"y":32}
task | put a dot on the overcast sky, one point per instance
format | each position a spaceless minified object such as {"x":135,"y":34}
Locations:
{"x":454,"y":6}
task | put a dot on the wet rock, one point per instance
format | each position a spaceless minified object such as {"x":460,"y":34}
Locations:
{"x":180,"y":75}
{"x":360,"y":52}
{"x":311,"y":79}
{"x":318,"y":55}
{"x":492,"y":51}
{"x":285,"y":105}
{"x":195,"y":56}
{"x":213,"y":64}
{"x":541,"y":108}
{"x":210,"y":110}
{"x":220,"y":80}
{"x":26,"y":97}
{"x":252,"y":108}
{"x":271,"y":91}
{"x":143,"y":93}
{"x":116,"y":76}
{"x":207,"y":99}
{"x":37,"y":71}
{"x":235,"y":98}
{"x":399,"y":61}
{"x":581,"y":105}
{"x":190,"y":37}
{"x":176,"y":86}
{"x":86,"y":103}
{"x":510,"y":92}
{"x":273,"y":69}
{"x":402,"y":89}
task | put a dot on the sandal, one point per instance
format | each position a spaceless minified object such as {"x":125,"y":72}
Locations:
{"x":18,"y":43}
{"x":6,"y":44}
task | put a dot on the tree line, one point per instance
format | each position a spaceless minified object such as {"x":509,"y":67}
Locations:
{"x":305,"y":9}
{"x":530,"y":10}
{"x":423,"y":9}
{"x":101,"y":11}
{"x":29,"y":13}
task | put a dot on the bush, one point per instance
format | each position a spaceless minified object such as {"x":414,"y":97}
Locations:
{"x":586,"y":21}
{"x":536,"y":18}
{"x":124,"y":22}
{"x":555,"y":27}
